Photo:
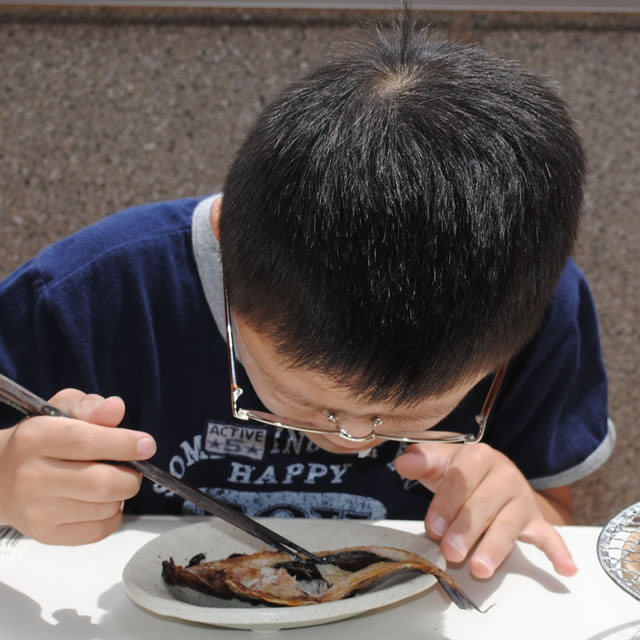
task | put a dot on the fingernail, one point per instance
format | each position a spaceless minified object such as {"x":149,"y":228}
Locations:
{"x":569,"y":569}
{"x":456,"y":542}
{"x":438,"y":526}
{"x":484,"y":561}
{"x":122,"y":506}
{"x":146,"y":447}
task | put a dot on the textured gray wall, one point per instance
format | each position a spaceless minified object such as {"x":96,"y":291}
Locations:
{"x":102,"y":109}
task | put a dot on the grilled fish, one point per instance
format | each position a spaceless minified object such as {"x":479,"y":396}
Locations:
{"x":275,"y":578}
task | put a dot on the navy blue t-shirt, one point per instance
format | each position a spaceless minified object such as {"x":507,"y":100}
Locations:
{"x":119,"y":309}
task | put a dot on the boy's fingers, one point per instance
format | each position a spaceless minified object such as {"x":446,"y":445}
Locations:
{"x":426,"y":463}
{"x":497,"y":542}
{"x":490,"y":508}
{"x":69,"y":511}
{"x":90,"y":407}
{"x":93,"y":482}
{"x":78,"y":533}
{"x":109,"y":412}
{"x":465,"y":504}
{"x":70,"y":439}
{"x":545,"y":536}
{"x":454,"y":475}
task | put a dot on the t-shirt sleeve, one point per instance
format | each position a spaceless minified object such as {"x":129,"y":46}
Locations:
{"x":34,"y":349}
{"x":552,"y":416}
{"x":101,"y":309}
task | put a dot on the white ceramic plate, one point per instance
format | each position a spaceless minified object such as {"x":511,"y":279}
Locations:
{"x":144,"y":584}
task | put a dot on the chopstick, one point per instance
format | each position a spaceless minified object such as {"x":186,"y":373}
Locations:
{"x":16,"y":396}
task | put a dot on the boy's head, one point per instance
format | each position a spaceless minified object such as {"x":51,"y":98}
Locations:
{"x":398,"y":219}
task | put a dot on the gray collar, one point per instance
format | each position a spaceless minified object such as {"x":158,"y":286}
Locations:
{"x":206,"y":250}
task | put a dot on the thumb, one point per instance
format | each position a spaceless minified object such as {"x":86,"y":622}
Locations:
{"x":426,"y":463}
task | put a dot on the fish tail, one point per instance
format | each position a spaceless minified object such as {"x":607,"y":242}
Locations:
{"x":457,"y":595}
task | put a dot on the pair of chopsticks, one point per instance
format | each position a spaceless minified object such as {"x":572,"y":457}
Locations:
{"x":30,"y":404}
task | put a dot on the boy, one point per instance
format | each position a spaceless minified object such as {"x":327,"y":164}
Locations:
{"x":395,"y":233}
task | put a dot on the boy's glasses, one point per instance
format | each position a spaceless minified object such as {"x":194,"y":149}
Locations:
{"x":334,"y":425}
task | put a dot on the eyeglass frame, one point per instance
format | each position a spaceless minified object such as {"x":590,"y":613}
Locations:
{"x":246,"y":415}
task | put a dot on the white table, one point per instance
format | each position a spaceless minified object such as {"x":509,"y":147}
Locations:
{"x":69,"y":593}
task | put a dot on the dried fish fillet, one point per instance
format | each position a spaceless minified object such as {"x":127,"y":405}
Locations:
{"x":277,"y":579}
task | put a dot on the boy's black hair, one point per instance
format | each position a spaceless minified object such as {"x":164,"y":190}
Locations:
{"x":398,"y":219}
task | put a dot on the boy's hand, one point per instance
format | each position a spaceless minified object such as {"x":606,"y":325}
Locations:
{"x":52,"y":488}
{"x":481,"y":497}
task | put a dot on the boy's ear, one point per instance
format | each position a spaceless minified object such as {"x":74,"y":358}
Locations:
{"x":214,"y":217}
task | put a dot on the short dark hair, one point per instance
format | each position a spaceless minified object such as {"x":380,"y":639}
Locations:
{"x":398,"y":219}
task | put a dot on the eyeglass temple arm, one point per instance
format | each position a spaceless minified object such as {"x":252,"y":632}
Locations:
{"x":493,"y":393}
{"x":236,"y":391}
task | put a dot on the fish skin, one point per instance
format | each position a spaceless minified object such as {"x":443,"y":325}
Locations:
{"x":263,"y":577}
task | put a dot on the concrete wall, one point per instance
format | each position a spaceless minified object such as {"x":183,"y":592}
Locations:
{"x":102,"y":109}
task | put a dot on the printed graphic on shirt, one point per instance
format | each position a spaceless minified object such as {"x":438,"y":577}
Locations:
{"x":275,"y":472}
{"x":235,"y":440}
{"x":296,"y":472}
{"x":293,"y":504}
